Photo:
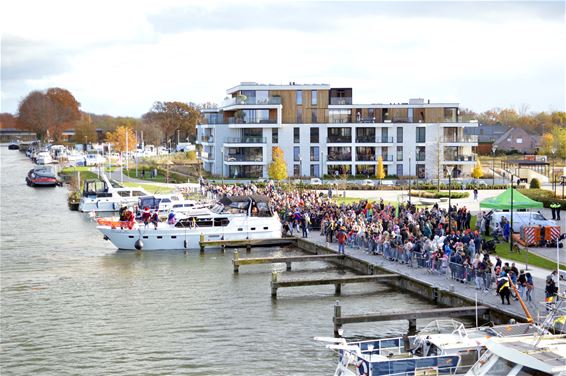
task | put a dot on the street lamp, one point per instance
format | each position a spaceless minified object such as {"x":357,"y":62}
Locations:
{"x":409,"y":179}
{"x":493,"y":149}
{"x":222,"y":165}
{"x":511,"y":217}
{"x":449,"y":170}
{"x":552,"y":172}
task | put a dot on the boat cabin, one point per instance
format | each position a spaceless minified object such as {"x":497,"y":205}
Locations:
{"x":253,"y":205}
{"x":96,"y":188}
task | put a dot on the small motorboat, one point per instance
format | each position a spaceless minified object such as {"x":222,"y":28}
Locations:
{"x":14,"y":145}
{"x":42,"y":177}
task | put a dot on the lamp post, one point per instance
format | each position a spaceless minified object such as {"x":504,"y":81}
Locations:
{"x":493,"y":149}
{"x":552,"y":172}
{"x":409,"y":179}
{"x":222,"y":165}
{"x":449,"y":170}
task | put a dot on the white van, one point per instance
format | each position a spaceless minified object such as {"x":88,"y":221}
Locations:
{"x":520,"y":219}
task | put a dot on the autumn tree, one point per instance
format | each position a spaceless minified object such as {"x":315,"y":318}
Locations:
{"x":546,"y":143}
{"x":277,"y":168}
{"x":150,"y":133}
{"x":8,"y":120}
{"x":477,"y":171}
{"x":380,"y":171}
{"x":118,"y":139}
{"x":49,"y":112}
{"x":174,"y":116}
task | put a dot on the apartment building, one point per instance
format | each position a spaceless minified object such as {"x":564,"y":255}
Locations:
{"x":322,"y":132}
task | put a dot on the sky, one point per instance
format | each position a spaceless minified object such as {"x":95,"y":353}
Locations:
{"x":118,"y":57}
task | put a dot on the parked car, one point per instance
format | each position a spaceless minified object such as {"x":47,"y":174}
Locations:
{"x":368,"y":183}
{"x":388,"y":183}
{"x":315,"y":181}
{"x":261,"y":180}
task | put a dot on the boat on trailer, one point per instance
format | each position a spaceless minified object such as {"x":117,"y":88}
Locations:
{"x":443,"y":347}
{"x":233,"y":218}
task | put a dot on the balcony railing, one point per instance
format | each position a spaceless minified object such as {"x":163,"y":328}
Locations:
{"x":362,"y":139}
{"x":243,"y":158}
{"x":459,"y":158}
{"x":384,"y":140}
{"x":340,"y":157}
{"x":366,"y":157}
{"x":387,"y":158}
{"x":421,"y":157}
{"x":251,"y":100}
{"x":207,"y":138}
{"x":339,"y":139}
{"x":245,"y":140}
{"x":465,"y":138}
{"x":340,"y":100}
{"x":235,"y":120}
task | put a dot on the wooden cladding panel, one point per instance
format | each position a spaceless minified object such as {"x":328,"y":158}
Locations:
{"x":398,"y":113}
{"x":434,"y":115}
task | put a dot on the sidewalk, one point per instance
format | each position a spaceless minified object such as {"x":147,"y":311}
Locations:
{"x":536,"y":307}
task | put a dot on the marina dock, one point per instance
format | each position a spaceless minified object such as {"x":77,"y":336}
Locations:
{"x":247,"y":243}
{"x":237,"y":261}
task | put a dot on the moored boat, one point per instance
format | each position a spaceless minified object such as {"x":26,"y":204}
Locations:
{"x":42,"y":177}
{"x":442,"y":347}
{"x":14,"y":145}
{"x":101,"y":196}
{"x":234,"y":218}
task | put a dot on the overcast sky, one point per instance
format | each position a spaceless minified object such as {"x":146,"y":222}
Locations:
{"x":118,"y":57}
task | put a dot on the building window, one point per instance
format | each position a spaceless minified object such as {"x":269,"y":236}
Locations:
{"x":421,"y":153}
{"x":296,"y":153}
{"x":299,"y":97}
{"x":399,"y":170}
{"x":371,"y":115}
{"x":519,"y":140}
{"x":399,"y":134}
{"x":399,"y":153}
{"x":340,"y":135}
{"x":313,"y":98}
{"x":315,"y":170}
{"x":274,"y":136}
{"x":296,"y":135}
{"x":314,"y":117}
{"x":315,"y":153}
{"x":314,"y":136}
{"x":296,"y":170}
{"x":421,"y":134}
{"x":299,"y":114}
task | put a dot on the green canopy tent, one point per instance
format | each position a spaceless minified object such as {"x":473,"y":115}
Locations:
{"x":510,"y":200}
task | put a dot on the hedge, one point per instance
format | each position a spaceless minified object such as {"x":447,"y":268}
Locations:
{"x":442,"y":194}
{"x":544,"y":196}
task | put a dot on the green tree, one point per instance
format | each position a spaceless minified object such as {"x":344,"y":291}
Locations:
{"x":477,"y":171}
{"x":380,"y":171}
{"x":277,"y":168}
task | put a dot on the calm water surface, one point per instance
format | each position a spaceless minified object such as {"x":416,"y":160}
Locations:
{"x":71,"y":304}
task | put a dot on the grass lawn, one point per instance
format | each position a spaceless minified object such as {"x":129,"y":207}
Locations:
{"x":152,"y":188}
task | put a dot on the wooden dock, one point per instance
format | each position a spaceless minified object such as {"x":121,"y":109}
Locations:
{"x":248,"y":243}
{"x":412,"y":316}
{"x":237,"y":261}
{"x":336,"y":281}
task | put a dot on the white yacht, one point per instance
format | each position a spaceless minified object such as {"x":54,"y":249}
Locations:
{"x":234,"y":218}
{"x":43,"y":158}
{"x":531,"y":355}
{"x":101,"y":196}
{"x":164,"y":203}
{"x":442,"y":347}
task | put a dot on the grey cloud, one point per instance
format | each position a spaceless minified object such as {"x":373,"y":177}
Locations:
{"x":321,"y":16}
{"x":25,"y":59}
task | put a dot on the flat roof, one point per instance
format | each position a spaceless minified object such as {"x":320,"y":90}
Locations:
{"x":290,"y":86}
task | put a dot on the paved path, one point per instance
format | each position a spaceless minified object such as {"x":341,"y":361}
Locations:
{"x":536,"y":307}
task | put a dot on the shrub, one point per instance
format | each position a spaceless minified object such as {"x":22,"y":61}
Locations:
{"x":535,"y":184}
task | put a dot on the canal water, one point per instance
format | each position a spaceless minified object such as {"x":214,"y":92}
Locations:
{"x":71,"y":304}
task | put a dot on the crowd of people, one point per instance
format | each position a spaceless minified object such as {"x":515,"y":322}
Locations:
{"x":443,"y":241}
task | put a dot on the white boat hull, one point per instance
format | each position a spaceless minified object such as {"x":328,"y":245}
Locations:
{"x":169,"y":237}
{"x":110,"y":204}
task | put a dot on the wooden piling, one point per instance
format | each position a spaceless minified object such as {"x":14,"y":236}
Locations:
{"x":288,"y":266}
{"x":201,"y":243}
{"x":235,"y":261}
{"x":337,"y":289}
{"x":412,"y":325}
{"x":337,"y":321}
{"x":274,"y":284}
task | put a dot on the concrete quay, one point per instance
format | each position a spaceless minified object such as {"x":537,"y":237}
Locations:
{"x":438,"y":288}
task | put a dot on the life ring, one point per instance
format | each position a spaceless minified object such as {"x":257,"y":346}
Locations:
{"x":362,"y":368}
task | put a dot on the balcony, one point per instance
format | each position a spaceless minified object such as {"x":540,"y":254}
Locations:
{"x":207,"y":138}
{"x":421,"y":157}
{"x":340,"y":157}
{"x":251,"y":101}
{"x":460,"y":139}
{"x":450,"y":157}
{"x":387,"y":158}
{"x":366,"y":157}
{"x":235,"y":120}
{"x":338,"y":101}
{"x":339,"y":139}
{"x":243,"y":158}
{"x":365,"y":139}
{"x":245,"y":140}
{"x":384,"y":140}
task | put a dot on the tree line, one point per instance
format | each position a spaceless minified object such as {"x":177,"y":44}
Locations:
{"x":50,"y":112}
